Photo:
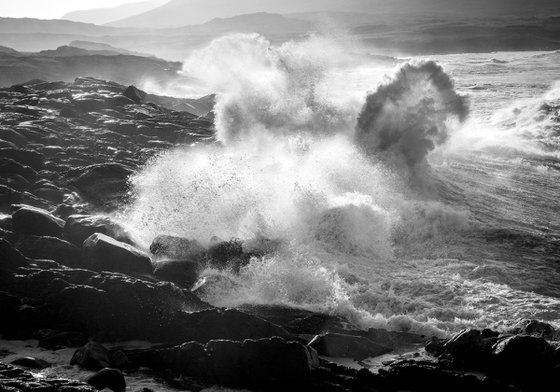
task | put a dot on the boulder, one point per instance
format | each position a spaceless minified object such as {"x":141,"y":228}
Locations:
{"x":10,"y":258}
{"x":11,"y":167}
{"x":102,"y":252}
{"x":536,"y":328}
{"x":108,"y":378}
{"x":79,"y":227}
{"x":104,"y":184}
{"x":522,"y":353}
{"x":92,"y":356}
{"x":182,"y":272}
{"x":86,"y":105}
{"x":31,"y":363}
{"x":134,"y":94}
{"x":178,"y":248}
{"x":223,"y":252}
{"x":36,"y":221}
{"x":347,"y":346}
{"x":263,"y":364}
{"x":51,"y":248}
{"x":25,"y":157}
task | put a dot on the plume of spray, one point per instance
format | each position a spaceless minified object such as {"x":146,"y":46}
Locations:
{"x":410,"y":114}
{"x":264,"y":89}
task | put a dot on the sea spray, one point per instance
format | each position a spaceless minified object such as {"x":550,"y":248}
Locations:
{"x":292,"y":167}
{"x":410,"y":114}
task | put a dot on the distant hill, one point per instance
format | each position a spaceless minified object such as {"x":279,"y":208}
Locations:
{"x":52,"y":26}
{"x":69,"y":63}
{"x":260,"y":22}
{"x":102,"y":47}
{"x":105,"y":15}
{"x":187,"y":12}
{"x":10,"y":51}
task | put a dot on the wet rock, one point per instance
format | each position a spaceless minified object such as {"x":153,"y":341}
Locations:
{"x":92,"y":356}
{"x":102,"y":252}
{"x":52,"y":248}
{"x":177,"y":248}
{"x":24,"y":157}
{"x":55,"y":340}
{"x":536,"y":328}
{"x":79,"y":227}
{"x":13,"y":379}
{"x":225,"y":251}
{"x":134,"y":94}
{"x":229,"y":324}
{"x":347,"y":346}
{"x":108,"y":378}
{"x":31,"y":363}
{"x":120,"y":360}
{"x":11,"y":167}
{"x":10,"y":258}
{"x":296,"y":321}
{"x":86,"y":105}
{"x":263,"y":364}
{"x":182,"y":272}
{"x":410,"y":375}
{"x":35,"y":221}
{"x":469,"y":347}
{"x":118,"y":101}
{"x":104,"y":184}
{"x":522,"y":356}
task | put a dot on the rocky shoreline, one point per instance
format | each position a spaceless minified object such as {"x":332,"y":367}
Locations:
{"x":73,"y":277}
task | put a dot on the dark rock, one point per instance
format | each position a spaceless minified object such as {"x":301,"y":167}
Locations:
{"x":274,"y":363}
{"x":92,"y":356}
{"x":468,"y":347}
{"x":35,"y":221}
{"x":522,"y":355}
{"x":14,"y":379}
{"x":177,"y":248}
{"x":79,"y":227}
{"x":25,"y":157}
{"x":296,"y":321}
{"x":119,"y":100}
{"x":184,"y":273}
{"x":347,"y":346}
{"x":134,"y":94}
{"x":86,"y":105}
{"x":51,"y":248}
{"x":54,"y":340}
{"x":109,"y":378}
{"x":31,"y":363}
{"x":11,"y":167}
{"x":104,"y":184}
{"x":120,"y":360}
{"x":226,"y":251}
{"x":102,"y":252}
{"x":536,"y":328}
{"x":10,"y":258}
{"x":264,"y":364}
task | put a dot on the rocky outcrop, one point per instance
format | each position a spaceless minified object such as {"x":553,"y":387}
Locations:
{"x":102,"y":252}
{"x":35,"y":221}
{"x":13,"y":379}
{"x":108,"y":378}
{"x":347,"y":346}
{"x":79,"y":227}
{"x":265,"y":364}
{"x":92,"y":356}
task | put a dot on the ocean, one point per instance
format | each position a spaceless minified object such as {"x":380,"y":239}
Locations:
{"x":413,"y":194}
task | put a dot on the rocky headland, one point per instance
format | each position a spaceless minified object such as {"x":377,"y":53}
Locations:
{"x":72,"y":277}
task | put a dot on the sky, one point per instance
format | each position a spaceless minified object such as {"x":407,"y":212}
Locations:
{"x":51,"y":9}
